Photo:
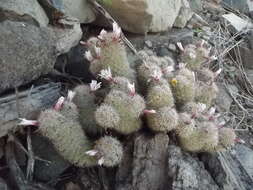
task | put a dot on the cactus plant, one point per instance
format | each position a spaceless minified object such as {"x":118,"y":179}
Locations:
{"x":108,"y":51}
{"x":67,"y":136}
{"x":108,"y":151}
{"x":84,"y":99}
{"x":127,"y":106}
{"x":183,"y":89}
{"x":164,"y":120}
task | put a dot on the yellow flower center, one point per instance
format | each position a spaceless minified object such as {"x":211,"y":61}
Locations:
{"x":174,"y":82}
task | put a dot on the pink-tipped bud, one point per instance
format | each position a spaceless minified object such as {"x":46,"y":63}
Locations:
{"x":149,"y":111}
{"x":116,"y":31}
{"x":101,"y":161}
{"x":59,"y":103}
{"x":239,"y":141}
{"x":71,"y":95}
{"x":156,"y":75}
{"x":25,"y":122}
{"x":102,"y":34}
{"x":217,"y":72}
{"x":88,"y":56}
{"x":168,"y":69}
{"x":180,"y":46}
{"x":131,"y":88}
{"x":106,"y":74}
{"x":91,"y":152}
{"x":83,"y":43}
{"x":94,"y":85}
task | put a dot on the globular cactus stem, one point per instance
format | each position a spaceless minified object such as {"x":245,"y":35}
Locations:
{"x":108,"y":151}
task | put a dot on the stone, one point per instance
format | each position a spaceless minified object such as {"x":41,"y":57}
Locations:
{"x":66,"y":38}
{"x":196,"y":5}
{"x":45,"y":171}
{"x":23,"y":8}
{"x":235,"y":23}
{"x":172,"y":47}
{"x":26,"y":53}
{"x":231,"y":171}
{"x":184,"y":15}
{"x":79,"y":9}
{"x":223,"y":100}
{"x":246,"y":53}
{"x":153,"y":16}
{"x":186,"y":172}
{"x":244,"y":6}
{"x":144,"y":164}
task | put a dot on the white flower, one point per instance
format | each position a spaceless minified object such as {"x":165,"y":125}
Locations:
{"x":201,"y":107}
{"x":211,"y":111}
{"x":88,"y":56}
{"x":101,"y":161}
{"x":156,"y":75}
{"x":217,"y":72}
{"x":168,"y":69}
{"x":102,"y":34}
{"x":116,"y":30}
{"x":180,"y":46}
{"x":131,"y":88}
{"x":181,"y":65}
{"x":94,"y":85}
{"x":71,"y":95}
{"x":26,"y":122}
{"x":97,"y":51}
{"x":59,"y":103}
{"x":149,"y":111}
{"x":106,"y":74}
{"x":91,"y":152}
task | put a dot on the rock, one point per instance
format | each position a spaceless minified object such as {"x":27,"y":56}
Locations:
{"x":30,"y":103}
{"x":236,"y":23}
{"x":184,"y":15}
{"x":223,"y":100}
{"x":164,"y":14}
{"x":246,"y":53}
{"x":72,"y":186}
{"x":172,"y":47}
{"x":3,"y":184}
{"x":45,"y":171}
{"x":232,"y":171}
{"x":144,"y":166}
{"x":196,"y":5}
{"x":23,"y":8}
{"x":153,"y":16}
{"x":163,"y":51}
{"x":79,"y":9}
{"x":186,"y":172}
{"x":244,"y":6}
{"x":26,"y":52}
{"x":66,"y":38}
{"x":196,"y":21}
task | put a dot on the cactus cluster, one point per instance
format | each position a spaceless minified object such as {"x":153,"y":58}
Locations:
{"x":177,"y":99}
{"x":107,"y":51}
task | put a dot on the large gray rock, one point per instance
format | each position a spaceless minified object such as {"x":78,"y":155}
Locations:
{"x":144,"y":167}
{"x":244,"y":6}
{"x":231,"y":171}
{"x":79,"y":9}
{"x":186,"y":172}
{"x":196,"y":5}
{"x":25,"y":7}
{"x":184,"y":15}
{"x":26,"y":52}
{"x":153,"y":16}
{"x":236,"y":23}
{"x":44,"y":149}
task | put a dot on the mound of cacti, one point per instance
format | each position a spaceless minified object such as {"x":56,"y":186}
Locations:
{"x":177,"y":99}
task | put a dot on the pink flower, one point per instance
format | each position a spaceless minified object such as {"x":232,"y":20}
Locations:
{"x":25,"y":122}
{"x":106,"y":74}
{"x":91,"y":152}
{"x":88,"y":56}
{"x":94,"y":85}
{"x":116,"y":31}
{"x":102,"y":35}
{"x":131,"y":88}
{"x":59,"y":103}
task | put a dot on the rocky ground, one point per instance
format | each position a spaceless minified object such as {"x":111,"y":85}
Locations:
{"x":41,"y":58}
